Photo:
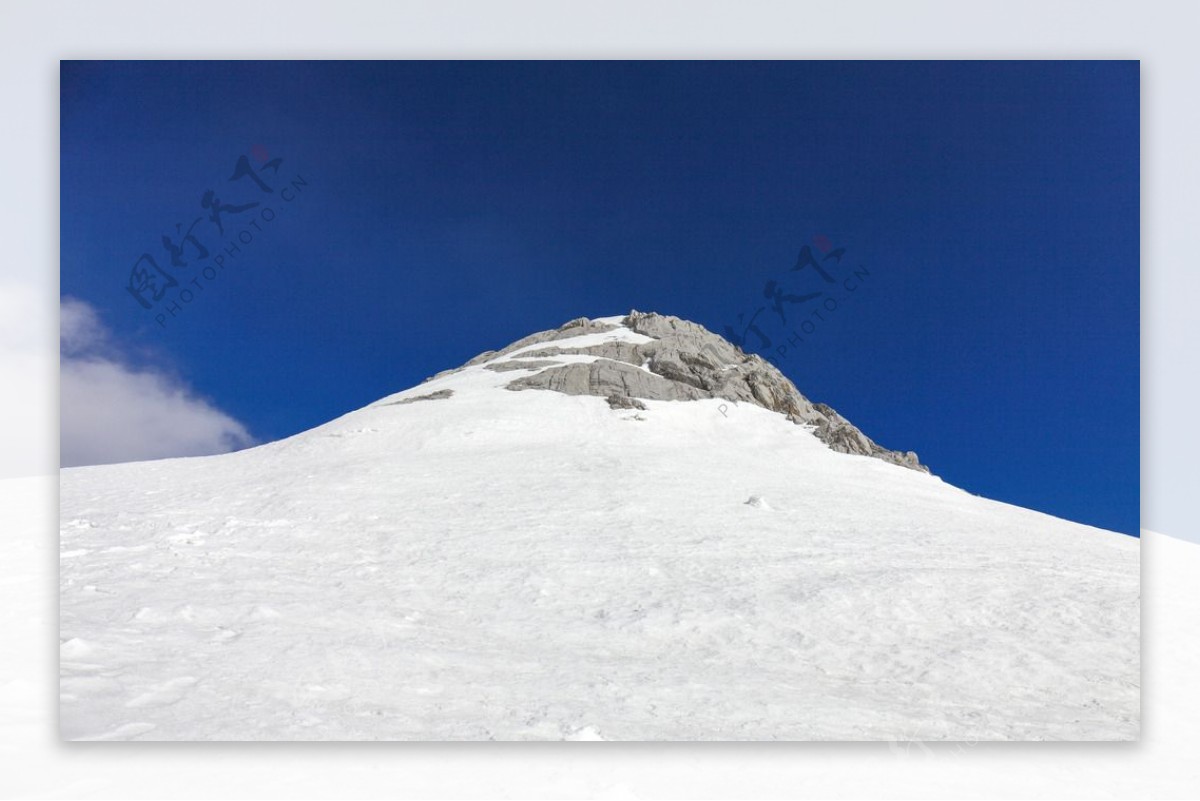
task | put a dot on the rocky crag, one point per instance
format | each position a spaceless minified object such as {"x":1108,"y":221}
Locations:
{"x":681,"y":361}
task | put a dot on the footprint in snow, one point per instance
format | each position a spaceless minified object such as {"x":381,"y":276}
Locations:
{"x":223,"y":634}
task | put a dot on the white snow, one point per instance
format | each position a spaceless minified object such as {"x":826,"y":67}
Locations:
{"x":531,"y":565}
{"x":619,"y":334}
{"x":758,"y":502}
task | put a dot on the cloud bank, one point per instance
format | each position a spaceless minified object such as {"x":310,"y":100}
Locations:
{"x":112,"y":411}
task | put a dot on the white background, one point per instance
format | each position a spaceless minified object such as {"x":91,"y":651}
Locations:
{"x":35,"y":35}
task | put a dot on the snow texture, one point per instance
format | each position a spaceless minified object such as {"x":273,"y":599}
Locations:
{"x":491,"y":564}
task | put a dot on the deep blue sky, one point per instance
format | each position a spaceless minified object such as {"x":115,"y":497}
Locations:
{"x":453,"y":207}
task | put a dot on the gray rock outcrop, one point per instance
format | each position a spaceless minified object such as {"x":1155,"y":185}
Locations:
{"x":616,"y":401}
{"x":441,"y":394}
{"x":519,"y":364}
{"x":684,"y":361}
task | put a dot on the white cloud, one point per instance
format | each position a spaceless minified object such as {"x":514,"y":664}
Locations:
{"x":79,"y":329}
{"x":114,"y":412}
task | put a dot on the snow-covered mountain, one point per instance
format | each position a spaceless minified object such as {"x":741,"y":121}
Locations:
{"x":624,"y":528}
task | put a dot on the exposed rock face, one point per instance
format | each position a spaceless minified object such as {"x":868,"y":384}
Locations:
{"x":684,"y":361}
{"x":577,"y":327}
{"x":624,"y":402}
{"x":441,"y":394}
{"x":519,"y":364}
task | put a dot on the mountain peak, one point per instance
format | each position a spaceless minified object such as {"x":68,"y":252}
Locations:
{"x":650,"y":356}
{"x":499,"y":554}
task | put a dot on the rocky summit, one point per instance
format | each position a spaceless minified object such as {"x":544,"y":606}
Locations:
{"x":679,"y":361}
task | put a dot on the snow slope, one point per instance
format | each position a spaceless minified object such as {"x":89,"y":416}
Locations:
{"x":533,"y":565}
